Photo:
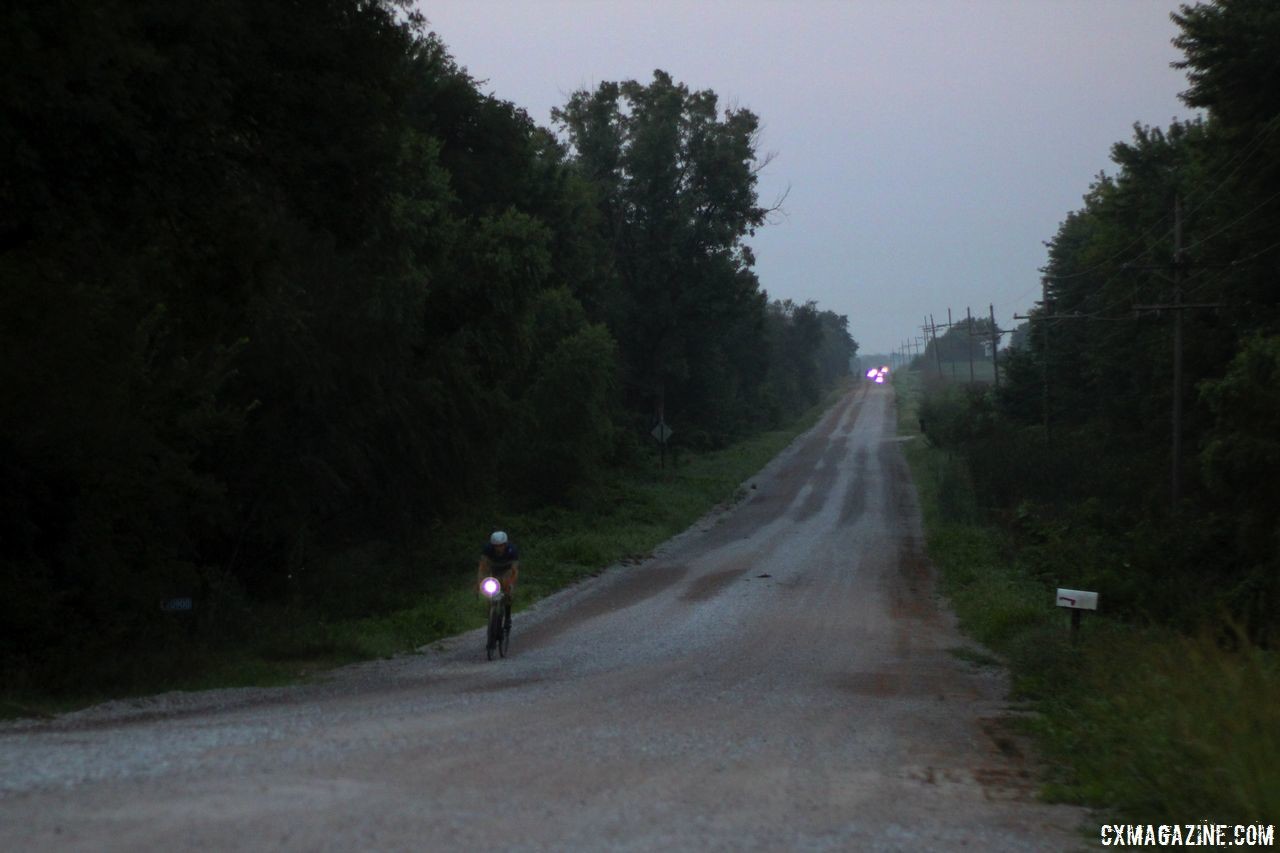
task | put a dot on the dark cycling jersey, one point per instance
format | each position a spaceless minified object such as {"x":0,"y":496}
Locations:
{"x":504,"y":561}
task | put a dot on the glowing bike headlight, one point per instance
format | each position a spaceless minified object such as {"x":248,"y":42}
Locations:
{"x":490,"y":587}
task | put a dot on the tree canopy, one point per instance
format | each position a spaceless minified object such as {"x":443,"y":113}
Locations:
{"x":1093,"y":375}
{"x":280,"y":283}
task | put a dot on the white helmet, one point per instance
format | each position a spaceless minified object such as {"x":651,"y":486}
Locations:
{"x":498,"y":538}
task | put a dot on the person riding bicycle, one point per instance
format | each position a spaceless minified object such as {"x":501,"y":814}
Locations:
{"x":500,"y":559}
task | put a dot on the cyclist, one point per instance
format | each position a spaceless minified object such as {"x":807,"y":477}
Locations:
{"x":500,"y":559}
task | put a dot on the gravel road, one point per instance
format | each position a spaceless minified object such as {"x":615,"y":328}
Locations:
{"x":779,"y":677}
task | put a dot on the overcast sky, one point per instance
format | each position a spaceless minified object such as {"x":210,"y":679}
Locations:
{"x":929,"y":147}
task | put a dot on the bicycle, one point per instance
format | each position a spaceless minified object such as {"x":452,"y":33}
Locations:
{"x":498,"y":636}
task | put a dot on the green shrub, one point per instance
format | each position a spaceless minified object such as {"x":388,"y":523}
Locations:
{"x":1151,"y":724}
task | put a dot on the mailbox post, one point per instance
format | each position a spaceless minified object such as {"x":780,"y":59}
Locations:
{"x":1077,"y":601}
{"x":182,"y":607}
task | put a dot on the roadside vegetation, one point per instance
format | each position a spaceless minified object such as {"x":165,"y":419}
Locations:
{"x":294,"y":313}
{"x":1145,"y":720}
{"x":266,"y":645}
{"x":1068,"y":474}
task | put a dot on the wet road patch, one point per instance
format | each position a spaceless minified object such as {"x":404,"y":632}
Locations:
{"x":707,"y":586}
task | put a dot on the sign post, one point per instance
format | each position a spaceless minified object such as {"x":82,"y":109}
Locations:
{"x":662,"y":432}
{"x":1077,"y":601}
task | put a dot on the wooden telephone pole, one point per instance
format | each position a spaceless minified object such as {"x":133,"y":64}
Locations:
{"x":1180,"y":266}
{"x":1177,"y":306}
{"x":969,"y":347}
{"x":994,"y":337}
{"x":995,"y":347}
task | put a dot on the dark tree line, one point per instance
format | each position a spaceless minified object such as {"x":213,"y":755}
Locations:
{"x":1089,"y":391}
{"x":275,"y":283}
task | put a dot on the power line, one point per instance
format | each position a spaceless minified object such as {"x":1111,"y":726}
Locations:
{"x":1256,"y":144}
{"x":1177,"y":307}
{"x":1236,"y":221}
{"x":1239,"y":160}
{"x":1202,"y":241}
{"x":1241,"y":261}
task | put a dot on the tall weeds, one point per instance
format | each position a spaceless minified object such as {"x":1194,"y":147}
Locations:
{"x":1152,"y":718}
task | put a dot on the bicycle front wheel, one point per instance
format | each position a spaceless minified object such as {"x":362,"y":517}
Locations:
{"x":495,"y":630}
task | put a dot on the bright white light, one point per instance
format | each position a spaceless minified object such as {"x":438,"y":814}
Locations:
{"x":490,"y":586}
{"x":871,"y":374}
{"x":879,"y":380}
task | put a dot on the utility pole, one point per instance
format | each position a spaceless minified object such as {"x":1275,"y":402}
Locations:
{"x":925,"y":329}
{"x":953,"y":360}
{"x":1178,"y":307}
{"x":930,"y":328}
{"x":1179,"y":266}
{"x":1044,"y":362}
{"x":937,"y":347}
{"x":995,"y":346}
{"x":994,"y":337}
{"x":969,"y":345}
{"x":1175,"y":472}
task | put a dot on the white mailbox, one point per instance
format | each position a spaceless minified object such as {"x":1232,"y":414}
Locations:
{"x":1077,"y":599}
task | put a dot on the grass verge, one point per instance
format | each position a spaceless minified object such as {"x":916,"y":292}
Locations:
{"x":624,"y":519}
{"x":1142,"y":723}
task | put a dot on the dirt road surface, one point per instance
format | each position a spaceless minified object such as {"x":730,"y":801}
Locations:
{"x":779,"y":677}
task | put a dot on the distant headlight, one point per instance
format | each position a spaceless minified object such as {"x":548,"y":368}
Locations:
{"x":490,"y":587}
{"x":879,"y":380}
{"x":871,"y":374}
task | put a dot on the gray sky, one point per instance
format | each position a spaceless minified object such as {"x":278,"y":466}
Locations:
{"x":930,"y":147}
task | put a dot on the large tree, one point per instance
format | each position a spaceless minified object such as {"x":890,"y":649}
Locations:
{"x":676,"y":186}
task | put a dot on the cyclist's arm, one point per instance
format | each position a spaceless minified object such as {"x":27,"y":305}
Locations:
{"x":515,"y":572}
{"x":482,"y":569}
